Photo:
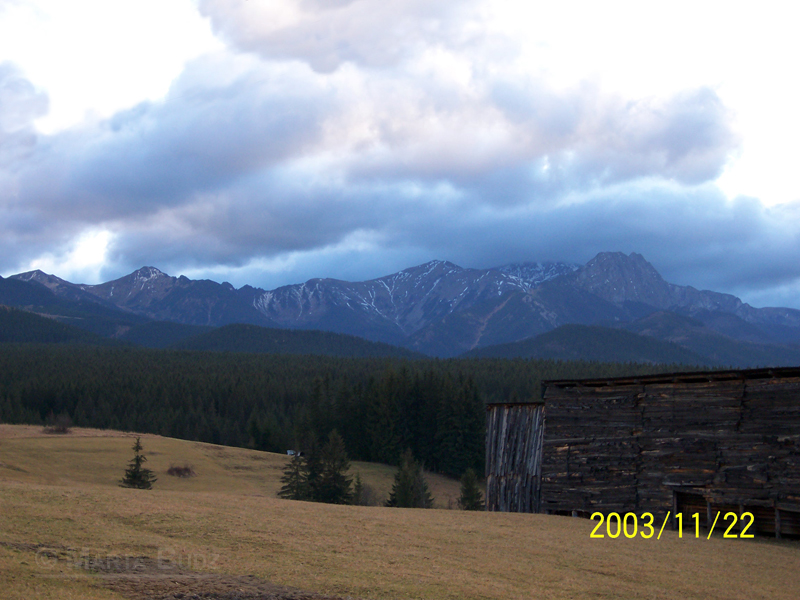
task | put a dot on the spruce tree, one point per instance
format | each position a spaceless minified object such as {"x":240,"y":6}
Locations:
{"x":137,"y":476}
{"x":295,"y":480}
{"x":410,"y":489}
{"x":471,"y":497}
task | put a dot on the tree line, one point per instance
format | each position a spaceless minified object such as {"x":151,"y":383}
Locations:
{"x":380,"y":407}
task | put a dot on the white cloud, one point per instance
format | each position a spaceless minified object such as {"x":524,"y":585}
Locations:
{"x":354,"y":137}
{"x":95,"y":57}
{"x":81,"y":261}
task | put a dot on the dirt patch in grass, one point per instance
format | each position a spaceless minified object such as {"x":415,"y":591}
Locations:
{"x":194,"y":586}
{"x":148,"y":578}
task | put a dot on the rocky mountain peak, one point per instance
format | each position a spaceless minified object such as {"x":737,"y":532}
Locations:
{"x":433,"y":267}
{"x":32,"y":275}
{"x":147,"y":273}
{"x":136,"y":290}
{"x":619,"y":278}
{"x":49,"y":281}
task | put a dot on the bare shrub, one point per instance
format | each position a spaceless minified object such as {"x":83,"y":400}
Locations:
{"x":369,"y":497}
{"x":184,"y":471}
{"x":364,"y":494}
{"x":58,"y":424}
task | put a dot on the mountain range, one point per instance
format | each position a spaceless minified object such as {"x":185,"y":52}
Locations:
{"x":441,"y":309}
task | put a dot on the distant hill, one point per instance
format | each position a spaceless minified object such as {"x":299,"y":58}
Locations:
{"x":263,"y":340}
{"x":717,"y":348}
{"x":594,"y":343}
{"x":161,"y":334}
{"x":18,"y":326}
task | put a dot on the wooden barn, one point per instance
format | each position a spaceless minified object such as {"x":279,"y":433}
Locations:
{"x":682,"y":442}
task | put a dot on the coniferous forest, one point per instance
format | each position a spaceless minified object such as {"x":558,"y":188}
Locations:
{"x":381,"y":407}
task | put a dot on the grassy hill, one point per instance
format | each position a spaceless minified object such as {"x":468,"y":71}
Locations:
{"x":593,"y":343}
{"x":264,"y":340}
{"x":70,"y":532}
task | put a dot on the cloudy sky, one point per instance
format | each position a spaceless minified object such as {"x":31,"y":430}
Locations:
{"x":271,"y":141}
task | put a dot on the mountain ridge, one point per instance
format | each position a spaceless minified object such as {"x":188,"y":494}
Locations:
{"x":442,"y":309}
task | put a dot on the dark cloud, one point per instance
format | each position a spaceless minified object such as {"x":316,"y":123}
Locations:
{"x":23,"y":231}
{"x":20,"y":105}
{"x":200,"y":140}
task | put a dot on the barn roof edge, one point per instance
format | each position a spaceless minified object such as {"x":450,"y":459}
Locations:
{"x":679,"y":377}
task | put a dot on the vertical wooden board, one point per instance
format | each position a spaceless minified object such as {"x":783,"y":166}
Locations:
{"x":514,"y":434}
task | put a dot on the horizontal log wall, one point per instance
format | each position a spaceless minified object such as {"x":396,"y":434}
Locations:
{"x":513,"y":457}
{"x":590,"y":453}
{"x":629,"y":447}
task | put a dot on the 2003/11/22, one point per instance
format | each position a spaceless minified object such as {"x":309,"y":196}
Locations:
{"x":628,"y":525}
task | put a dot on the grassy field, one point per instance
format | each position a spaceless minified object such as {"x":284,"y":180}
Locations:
{"x":68,"y":531}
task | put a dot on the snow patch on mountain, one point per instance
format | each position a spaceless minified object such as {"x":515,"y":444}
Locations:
{"x":530,"y":275}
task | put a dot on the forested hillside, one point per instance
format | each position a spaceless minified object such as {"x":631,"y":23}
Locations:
{"x":586,"y":342}
{"x":25,"y":327}
{"x":278,"y":402}
{"x":267,"y":340}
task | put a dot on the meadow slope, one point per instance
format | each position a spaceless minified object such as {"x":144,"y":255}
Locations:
{"x":68,"y":531}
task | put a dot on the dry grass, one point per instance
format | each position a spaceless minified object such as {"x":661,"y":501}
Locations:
{"x":62,"y":493}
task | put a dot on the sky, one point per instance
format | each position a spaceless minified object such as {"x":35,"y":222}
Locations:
{"x":266,"y":142}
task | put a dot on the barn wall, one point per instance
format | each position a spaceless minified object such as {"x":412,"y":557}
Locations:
{"x":513,"y":457}
{"x":629,"y":447}
{"x":590,"y":452}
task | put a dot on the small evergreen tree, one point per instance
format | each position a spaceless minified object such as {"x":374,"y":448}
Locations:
{"x":358,"y":489}
{"x":295,"y":480}
{"x":321,"y":476}
{"x":410,"y":489}
{"x":471,"y":497}
{"x":136,"y":476}
{"x":332,"y":485}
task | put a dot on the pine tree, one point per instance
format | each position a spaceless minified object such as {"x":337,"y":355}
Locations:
{"x":136,"y":476}
{"x":410,"y":489}
{"x":295,"y":480}
{"x":471,"y":497}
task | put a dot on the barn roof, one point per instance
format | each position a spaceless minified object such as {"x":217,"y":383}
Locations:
{"x":682,"y":377}
{"x":685,"y":377}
